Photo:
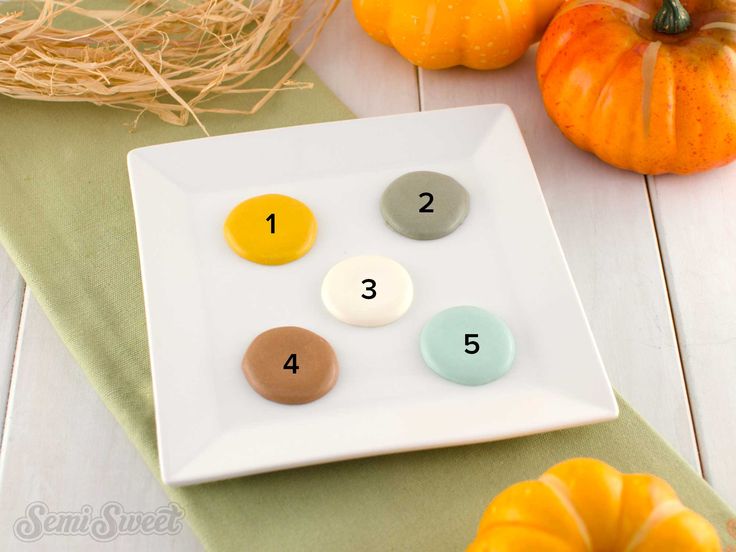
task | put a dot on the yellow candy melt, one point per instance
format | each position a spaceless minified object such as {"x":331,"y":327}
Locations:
{"x":271,"y":229}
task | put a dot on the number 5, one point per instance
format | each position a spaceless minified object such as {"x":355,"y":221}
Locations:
{"x":471,"y":346}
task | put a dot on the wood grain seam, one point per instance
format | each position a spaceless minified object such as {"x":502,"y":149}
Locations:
{"x":649,"y":182}
{"x":5,"y":420}
{"x":419,"y":73}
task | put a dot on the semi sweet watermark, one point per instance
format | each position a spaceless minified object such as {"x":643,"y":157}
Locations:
{"x":110,"y":522}
{"x":113,"y":521}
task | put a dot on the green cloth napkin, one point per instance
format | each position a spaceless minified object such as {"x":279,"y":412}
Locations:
{"x":67,"y":222}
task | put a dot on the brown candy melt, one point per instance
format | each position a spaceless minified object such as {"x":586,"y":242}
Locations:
{"x":290,"y":365}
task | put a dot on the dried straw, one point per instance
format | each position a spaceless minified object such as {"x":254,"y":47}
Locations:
{"x":167,"y":57}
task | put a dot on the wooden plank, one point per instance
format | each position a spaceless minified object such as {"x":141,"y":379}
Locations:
{"x":697,"y":232}
{"x":11,"y":300}
{"x":64,"y":448}
{"x":603,"y":219}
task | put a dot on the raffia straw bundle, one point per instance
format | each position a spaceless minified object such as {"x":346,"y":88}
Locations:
{"x":157,"y":56}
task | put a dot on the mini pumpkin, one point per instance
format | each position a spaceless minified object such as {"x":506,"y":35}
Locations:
{"x":585,"y":505}
{"x":481,"y":34}
{"x":644,"y":85}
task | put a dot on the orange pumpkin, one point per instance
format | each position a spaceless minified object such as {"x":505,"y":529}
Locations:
{"x":646,"y":86}
{"x":481,"y":34}
{"x":585,"y":505}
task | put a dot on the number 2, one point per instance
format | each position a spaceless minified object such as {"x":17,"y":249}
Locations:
{"x":291,"y":364}
{"x":272,"y":219}
{"x":370,"y":286}
{"x":425,"y":208}
{"x":471,"y":343}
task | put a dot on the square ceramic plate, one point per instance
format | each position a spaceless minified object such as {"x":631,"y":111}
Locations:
{"x":204,"y":304}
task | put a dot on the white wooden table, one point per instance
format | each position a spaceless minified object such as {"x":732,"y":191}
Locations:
{"x":654,"y":260}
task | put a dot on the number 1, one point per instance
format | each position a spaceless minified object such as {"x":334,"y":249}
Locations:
{"x":272,"y":219}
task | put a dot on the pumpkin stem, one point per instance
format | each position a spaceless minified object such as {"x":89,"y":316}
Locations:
{"x":672,"y":18}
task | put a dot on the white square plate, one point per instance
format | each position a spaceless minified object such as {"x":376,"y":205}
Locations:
{"x":205,"y":304}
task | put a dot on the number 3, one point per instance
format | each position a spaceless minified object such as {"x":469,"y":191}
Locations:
{"x":471,"y":343}
{"x":370,"y":286}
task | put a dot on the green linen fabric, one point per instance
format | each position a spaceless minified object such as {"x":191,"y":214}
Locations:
{"x":67,"y":222}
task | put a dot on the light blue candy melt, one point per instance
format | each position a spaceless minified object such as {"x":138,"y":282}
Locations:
{"x":450,"y":347}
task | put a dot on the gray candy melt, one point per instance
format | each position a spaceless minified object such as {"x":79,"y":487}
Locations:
{"x":404,"y":199}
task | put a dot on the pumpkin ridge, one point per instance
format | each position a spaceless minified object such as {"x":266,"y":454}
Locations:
{"x":727,"y":55}
{"x":532,"y":528}
{"x":506,"y":16}
{"x":659,"y":514}
{"x":648,"y":68}
{"x":589,"y":31}
{"x":729,"y":51}
{"x":584,"y":30}
{"x":541,"y":76}
{"x":464,"y":46}
{"x":560,"y":490}
{"x":725,"y":25}
{"x":673,"y":112}
{"x":616,"y":4}
{"x":683,"y":123}
{"x":594,"y":113}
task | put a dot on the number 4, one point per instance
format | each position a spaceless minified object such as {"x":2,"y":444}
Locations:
{"x":291,"y":364}
{"x":471,"y":346}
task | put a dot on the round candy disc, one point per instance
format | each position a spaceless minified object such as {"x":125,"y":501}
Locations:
{"x":271,"y":229}
{"x":367,"y":290}
{"x":467,"y":345}
{"x":290,"y":365}
{"x":424,"y":205}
